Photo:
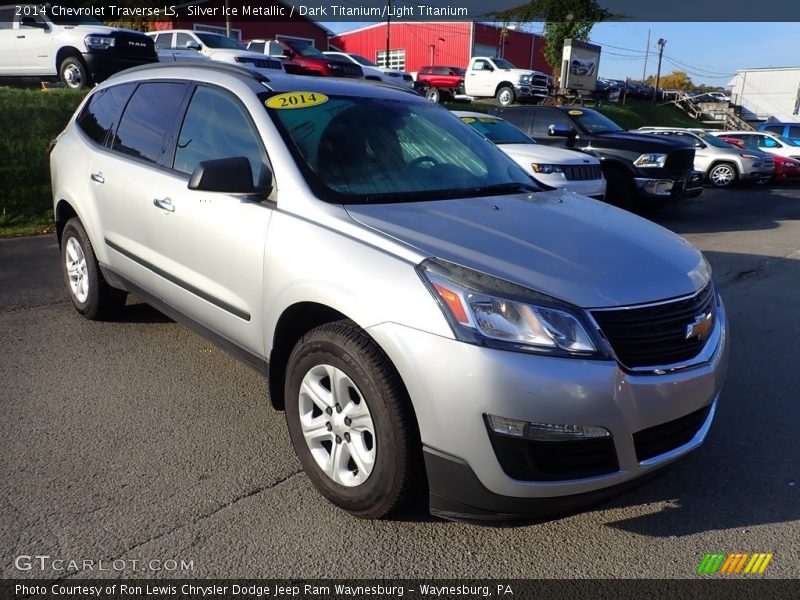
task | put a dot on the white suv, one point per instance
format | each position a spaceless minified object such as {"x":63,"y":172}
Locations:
{"x":186,"y":44}
{"x":38,"y":40}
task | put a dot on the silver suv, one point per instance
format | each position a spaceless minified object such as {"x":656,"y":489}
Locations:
{"x":423,"y":311}
{"x":722,"y":163}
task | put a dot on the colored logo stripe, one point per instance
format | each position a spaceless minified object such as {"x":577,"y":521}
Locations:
{"x":720,"y":562}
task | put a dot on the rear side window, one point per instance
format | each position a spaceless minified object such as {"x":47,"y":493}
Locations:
{"x":101,"y":114}
{"x":774,"y":129}
{"x":216,"y":126}
{"x":7,"y":17}
{"x":257,"y":47}
{"x":518,"y":118}
{"x":150,"y":115}
{"x":794,"y":132}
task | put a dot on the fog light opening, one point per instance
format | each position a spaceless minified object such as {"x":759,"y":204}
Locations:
{"x":544,"y":432}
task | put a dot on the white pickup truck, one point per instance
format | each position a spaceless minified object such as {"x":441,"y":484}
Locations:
{"x":45,"y":41}
{"x":497,"y":78}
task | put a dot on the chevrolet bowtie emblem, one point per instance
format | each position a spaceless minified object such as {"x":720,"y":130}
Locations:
{"x":700,"y":328}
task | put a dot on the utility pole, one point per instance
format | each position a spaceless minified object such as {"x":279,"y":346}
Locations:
{"x":646,"y":55}
{"x":388,"y":25}
{"x":661,"y":43}
{"x":227,"y":19}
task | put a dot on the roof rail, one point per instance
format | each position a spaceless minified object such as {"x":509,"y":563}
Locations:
{"x":203,"y":64}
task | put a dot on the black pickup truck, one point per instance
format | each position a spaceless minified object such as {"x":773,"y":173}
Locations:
{"x":641,"y":170}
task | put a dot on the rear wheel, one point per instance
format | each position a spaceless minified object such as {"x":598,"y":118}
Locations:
{"x":506,"y":96}
{"x":723,"y":175}
{"x":350,"y":420}
{"x":88,"y":290}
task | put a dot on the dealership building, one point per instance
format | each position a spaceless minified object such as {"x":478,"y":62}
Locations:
{"x":416,"y":44}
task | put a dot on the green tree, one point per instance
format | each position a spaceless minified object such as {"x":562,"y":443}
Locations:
{"x":563,"y":19}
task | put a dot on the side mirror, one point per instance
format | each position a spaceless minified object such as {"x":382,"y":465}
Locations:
{"x":562,"y":131}
{"x":230,"y":176}
{"x":288,"y":53}
{"x":191,"y":45}
{"x":699,"y":144}
{"x":488,"y":68}
{"x":31,"y":22}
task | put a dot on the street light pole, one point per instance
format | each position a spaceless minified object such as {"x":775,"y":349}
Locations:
{"x":661,"y":43}
{"x":388,"y":25}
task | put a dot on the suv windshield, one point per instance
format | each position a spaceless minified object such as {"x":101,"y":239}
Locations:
{"x":357,"y":150}
{"x":593,"y":122}
{"x":308,"y":51}
{"x":213,"y":40}
{"x":497,"y":130}
{"x":362,"y":61}
{"x":712,"y":141}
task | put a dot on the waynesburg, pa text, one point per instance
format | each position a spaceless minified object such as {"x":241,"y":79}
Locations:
{"x":275,"y":590}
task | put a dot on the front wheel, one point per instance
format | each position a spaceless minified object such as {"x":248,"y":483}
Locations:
{"x":88,"y":290}
{"x":722,"y":175}
{"x":73,"y":73}
{"x":350,"y":420}
{"x":506,"y":96}
{"x":433,"y":95}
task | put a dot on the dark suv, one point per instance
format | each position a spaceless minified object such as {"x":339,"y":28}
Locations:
{"x":641,"y":170}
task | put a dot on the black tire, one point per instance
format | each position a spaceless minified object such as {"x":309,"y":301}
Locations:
{"x":344,"y":346}
{"x":433,"y":95}
{"x":620,"y":188}
{"x":723,"y":175}
{"x":505,"y":95}
{"x":72,"y":72}
{"x":101,"y":300}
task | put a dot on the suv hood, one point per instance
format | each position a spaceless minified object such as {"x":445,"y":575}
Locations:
{"x":640,"y":142}
{"x":547,"y":154}
{"x":580,"y":250}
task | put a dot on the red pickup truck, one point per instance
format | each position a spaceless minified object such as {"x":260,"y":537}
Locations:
{"x":440,"y":83}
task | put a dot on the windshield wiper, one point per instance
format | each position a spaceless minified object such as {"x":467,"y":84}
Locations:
{"x":501,"y":188}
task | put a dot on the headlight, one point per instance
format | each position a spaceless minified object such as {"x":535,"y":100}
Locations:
{"x":647,"y":161}
{"x":526,"y":78}
{"x":244,"y":59}
{"x":751,"y":156}
{"x":546,"y":169}
{"x":99,"y":42}
{"x":487,"y":311}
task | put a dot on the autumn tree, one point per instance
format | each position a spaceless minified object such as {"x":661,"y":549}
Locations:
{"x":677,"y":80}
{"x":563,"y":19}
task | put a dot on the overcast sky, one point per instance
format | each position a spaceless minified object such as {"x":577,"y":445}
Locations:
{"x":710,"y":52}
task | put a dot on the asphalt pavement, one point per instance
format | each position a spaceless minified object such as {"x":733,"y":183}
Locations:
{"x":137,"y":441}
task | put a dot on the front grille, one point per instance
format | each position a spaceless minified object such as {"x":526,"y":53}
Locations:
{"x":582,"y":172}
{"x":132,"y":45}
{"x":539,"y":81}
{"x":528,"y":460}
{"x":660,"y":439}
{"x":656,"y":335}
{"x":261,"y":63}
{"x":344,"y":69}
{"x":679,"y":161}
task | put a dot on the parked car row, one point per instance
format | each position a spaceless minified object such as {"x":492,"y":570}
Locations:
{"x":728,"y":157}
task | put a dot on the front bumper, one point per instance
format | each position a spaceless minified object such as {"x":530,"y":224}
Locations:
{"x":104,"y":64}
{"x":670,"y":187}
{"x":530,"y":91}
{"x":461,"y":383}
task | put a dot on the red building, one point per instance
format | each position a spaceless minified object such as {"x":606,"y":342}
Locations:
{"x":208,"y":17}
{"x":413,"y":45}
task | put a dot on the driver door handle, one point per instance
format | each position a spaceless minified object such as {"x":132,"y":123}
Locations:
{"x":165,"y":204}
{"x":98,"y":177}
